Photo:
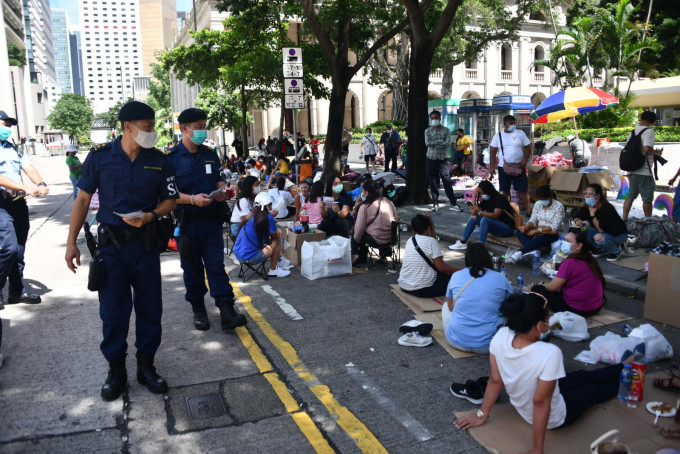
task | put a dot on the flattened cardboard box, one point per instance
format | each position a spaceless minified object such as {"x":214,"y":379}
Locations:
{"x":294,"y":251}
{"x":662,"y":300}
{"x":570,"y":184}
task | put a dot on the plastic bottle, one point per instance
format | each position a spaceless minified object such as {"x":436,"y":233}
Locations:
{"x":537,"y":265}
{"x":304,"y":220}
{"x":624,"y":383}
{"x":520,"y":284}
{"x":503,"y":273}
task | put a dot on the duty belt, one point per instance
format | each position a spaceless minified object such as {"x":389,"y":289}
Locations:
{"x":109,"y":234}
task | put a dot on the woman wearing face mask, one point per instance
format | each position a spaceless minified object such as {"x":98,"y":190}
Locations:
{"x":543,"y":227}
{"x":250,"y":187}
{"x":533,"y":375}
{"x":339,"y":220}
{"x":579,"y":284}
{"x":301,"y":197}
{"x":373,"y":226}
{"x":607,"y":232}
{"x":369,"y":149}
{"x":493,"y":214}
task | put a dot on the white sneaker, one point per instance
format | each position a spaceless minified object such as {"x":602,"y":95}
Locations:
{"x":458,"y":246}
{"x":456,"y":208}
{"x":278,"y":272}
{"x":435,"y":206}
{"x":285,"y":263}
{"x":414,"y":340}
{"x":514,"y":257}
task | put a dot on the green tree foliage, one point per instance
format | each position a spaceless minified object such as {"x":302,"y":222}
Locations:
{"x":72,"y":114}
{"x":110,"y":117}
{"x":159,"y":85}
{"x":16,"y":55}
{"x":223,"y":111}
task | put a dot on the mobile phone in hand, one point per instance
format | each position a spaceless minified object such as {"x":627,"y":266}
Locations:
{"x":469,"y":203}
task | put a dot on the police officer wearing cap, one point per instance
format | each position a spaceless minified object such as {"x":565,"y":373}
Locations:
{"x":132,"y":177}
{"x":201,"y":244}
{"x":14,"y":223}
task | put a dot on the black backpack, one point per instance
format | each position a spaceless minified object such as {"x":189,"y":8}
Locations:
{"x":633,"y":156}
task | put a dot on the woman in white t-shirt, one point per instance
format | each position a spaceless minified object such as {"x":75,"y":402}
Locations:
{"x":249,"y":187}
{"x":533,"y":374}
{"x":418,"y":276}
{"x":282,"y":198}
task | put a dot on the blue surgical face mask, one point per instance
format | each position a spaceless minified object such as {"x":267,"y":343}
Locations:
{"x":544,"y":336}
{"x":5,"y":132}
{"x":565,"y":247}
{"x":486,"y":197}
{"x":338,"y":189}
{"x":511,"y":128}
{"x":199,"y":136}
{"x":435,"y":122}
{"x":544,"y":203}
{"x":391,"y":193}
{"x":590,"y":201}
{"x":363,"y":199}
{"x":368,"y":134}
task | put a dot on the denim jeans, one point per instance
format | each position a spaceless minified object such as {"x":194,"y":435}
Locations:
{"x":440,"y":167}
{"x":74,"y":181}
{"x":533,"y":243}
{"x":610,"y":243}
{"x":486,"y":226}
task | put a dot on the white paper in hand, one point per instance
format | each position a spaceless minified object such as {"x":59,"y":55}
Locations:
{"x":217,"y":192}
{"x":133,"y":215}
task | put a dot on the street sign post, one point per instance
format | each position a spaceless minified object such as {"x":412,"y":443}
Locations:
{"x":294,"y":91}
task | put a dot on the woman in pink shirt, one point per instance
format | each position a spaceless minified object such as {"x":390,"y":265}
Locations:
{"x":314,"y":205}
{"x":579,"y":284}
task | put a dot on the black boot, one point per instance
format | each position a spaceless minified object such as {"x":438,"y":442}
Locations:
{"x":146,"y":374}
{"x":228,"y":315}
{"x":116,"y":381}
{"x":201,"y":321}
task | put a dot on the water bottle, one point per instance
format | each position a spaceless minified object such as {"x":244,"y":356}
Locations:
{"x":304,"y":219}
{"x":520,"y":284}
{"x":537,"y":265}
{"x":624,"y":383}
{"x":505,"y":276}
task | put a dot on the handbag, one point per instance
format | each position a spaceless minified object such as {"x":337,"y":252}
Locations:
{"x":511,"y":169}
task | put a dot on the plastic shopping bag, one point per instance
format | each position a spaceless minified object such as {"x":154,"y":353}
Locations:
{"x":657,"y":347}
{"x":569,"y":326}
{"x":327,"y":258}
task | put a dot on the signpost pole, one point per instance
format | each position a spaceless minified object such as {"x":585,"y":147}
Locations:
{"x":295,"y":147}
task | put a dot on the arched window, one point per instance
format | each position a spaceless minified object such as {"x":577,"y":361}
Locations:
{"x":506,"y":58}
{"x":539,"y":54}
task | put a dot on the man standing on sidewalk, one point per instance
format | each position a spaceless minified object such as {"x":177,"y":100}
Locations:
{"x":201,"y":244}
{"x":515,"y":150}
{"x":438,"y":141}
{"x":14,"y":222}
{"x":390,"y":139}
{"x":369,"y":149}
{"x":136,"y":189}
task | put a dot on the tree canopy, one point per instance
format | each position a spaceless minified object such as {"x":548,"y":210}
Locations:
{"x":72,"y":114}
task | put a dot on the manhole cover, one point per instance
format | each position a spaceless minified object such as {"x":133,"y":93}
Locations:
{"x":206,"y":406}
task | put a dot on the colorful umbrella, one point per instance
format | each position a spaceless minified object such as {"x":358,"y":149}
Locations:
{"x":571,"y":102}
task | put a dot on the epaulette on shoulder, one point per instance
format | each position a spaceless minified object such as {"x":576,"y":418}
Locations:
{"x":172,"y":150}
{"x":102,"y":146}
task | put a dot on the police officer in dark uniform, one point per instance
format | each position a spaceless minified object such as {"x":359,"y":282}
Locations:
{"x":136,"y":189}
{"x":201,"y":244}
{"x":14,"y":223}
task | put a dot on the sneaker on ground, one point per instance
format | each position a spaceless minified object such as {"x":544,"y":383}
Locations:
{"x":416,"y":326}
{"x":470,"y":391}
{"x":414,"y":340}
{"x":458,"y":246}
{"x":613,"y":257}
{"x":598,"y":253}
{"x":278,"y":272}
{"x":285,"y":263}
{"x":514,"y":257}
{"x":435,"y":206}
{"x":456,"y":208}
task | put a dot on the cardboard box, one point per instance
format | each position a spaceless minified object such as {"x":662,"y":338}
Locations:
{"x":539,"y":175}
{"x":662,"y":301}
{"x":294,"y":252}
{"x":570,"y":184}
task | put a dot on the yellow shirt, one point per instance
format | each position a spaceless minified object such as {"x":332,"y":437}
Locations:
{"x":284,"y":168}
{"x":464,"y":144}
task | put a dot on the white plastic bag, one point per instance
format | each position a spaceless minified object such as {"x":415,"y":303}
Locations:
{"x":569,"y":326}
{"x":610,"y":348}
{"x":657,"y":347}
{"x":327,"y":258}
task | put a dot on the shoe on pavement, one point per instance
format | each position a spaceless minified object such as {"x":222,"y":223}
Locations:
{"x":27,"y":298}
{"x":435,"y":207}
{"x":285,"y":264}
{"x":414,"y":340}
{"x":456,"y":208}
{"x":278,"y":272}
{"x":470,"y":391}
{"x":416,"y":326}
{"x":514,"y":257}
{"x":458,"y":246}
{"x":598,"y":253}
{"x":613,"y":257}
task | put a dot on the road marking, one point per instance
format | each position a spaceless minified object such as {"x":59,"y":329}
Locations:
{"x":282,"y":303}
{"x":409,"y":422}
{"x":352,"y":425}
{"x":301,"y":418}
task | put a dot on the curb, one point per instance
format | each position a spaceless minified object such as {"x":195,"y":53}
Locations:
{"x":630,"y":289}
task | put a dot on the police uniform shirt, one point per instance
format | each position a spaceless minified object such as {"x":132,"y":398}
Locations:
{"x":11,"y":163}
{"x":126,"y":186}
{"x":197,"y":173}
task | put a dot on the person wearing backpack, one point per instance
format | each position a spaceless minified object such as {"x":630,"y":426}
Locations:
{"x":639,"y":164}
{"x":390,"y":138}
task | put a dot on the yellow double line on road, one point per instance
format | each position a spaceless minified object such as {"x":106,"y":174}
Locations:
{"x":352,"y":425}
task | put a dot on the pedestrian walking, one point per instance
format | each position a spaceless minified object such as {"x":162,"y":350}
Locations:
{"x":462,"y":146}
{"x":137,"y":188}
{"x":75,"y":167}
{"x":390,"y":140}
{"x":438,"y":140}
{"x":515,"y":150}
{"x":201,"y":217}
{"x":14,"y":221}
{"x":369,"y":149}
{"x":237,"y":143}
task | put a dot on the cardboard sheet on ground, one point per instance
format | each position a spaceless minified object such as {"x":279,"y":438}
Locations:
{"x":440,"y":337}
{"x":421,"y":304}
{"x":507,"y":432}
{"x":606,"y":317}
{"x":432,"y":317}
{"x":634,"y":262}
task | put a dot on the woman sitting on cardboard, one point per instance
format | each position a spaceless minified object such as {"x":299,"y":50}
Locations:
{"x":533,"y":375}
{"x":373,"y":226}
{"x":579,"y":284}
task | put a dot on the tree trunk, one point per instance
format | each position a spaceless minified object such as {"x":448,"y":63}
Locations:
{"x":336,"y":115}
{"x":447,"y":79}
{"x":244,"y":121}
{"x":416,"y":176}
{"x":400,"y":104}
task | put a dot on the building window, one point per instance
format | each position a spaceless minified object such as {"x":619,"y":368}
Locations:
{"x":506,"y":58}
{"x":539,"y":54}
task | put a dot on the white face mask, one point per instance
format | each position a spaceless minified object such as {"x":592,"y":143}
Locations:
{"x":257,"y":190}
{"x":146,"y":139}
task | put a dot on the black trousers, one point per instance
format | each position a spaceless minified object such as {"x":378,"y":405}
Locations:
{"x":582,"y":389}
{"x":335,"y":226}
{"x":435,"y":290}
{"x":14,"y":227}
{"x":556,"y":302}
{"x":359,"y":247}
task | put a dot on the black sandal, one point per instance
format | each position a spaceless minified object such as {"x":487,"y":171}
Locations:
{"x":667,"y":383}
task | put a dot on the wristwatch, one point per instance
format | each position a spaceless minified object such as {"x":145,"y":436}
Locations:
{"x":42,"y":183}
{"x":481,"y":415}
{"x":156,"y":216}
